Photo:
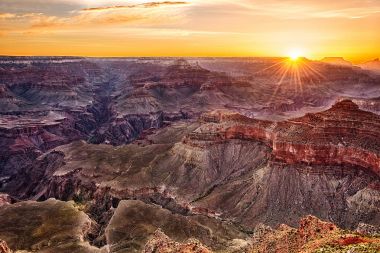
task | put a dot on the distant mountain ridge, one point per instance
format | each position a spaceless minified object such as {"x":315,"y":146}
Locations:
{"x":373,"y":65}
{"x":337,"y":61}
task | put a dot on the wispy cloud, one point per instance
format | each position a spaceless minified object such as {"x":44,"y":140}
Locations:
{"x":297,"y":9}
{"x":7,"y":15}
{"x":149,"y":13}
{"x":347,"y":13}
{"x":143,"y":5}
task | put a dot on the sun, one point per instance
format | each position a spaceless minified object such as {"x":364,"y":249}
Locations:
{"x":295,"y":54}
{"x":294,"y":57}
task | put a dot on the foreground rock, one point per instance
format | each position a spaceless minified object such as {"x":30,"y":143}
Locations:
{"x":55,"y":226}
{"x":366,"y":229}
{"x":49,"y":226}
{"x":4,"y":247}
{"x":160,"y":243}
{"x":5,"y":199}
{"x":313,"y":235}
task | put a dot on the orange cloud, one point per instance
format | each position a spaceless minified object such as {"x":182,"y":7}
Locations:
{"x":144,"y":5}
{"x":32,"y":23}
{"x":7,"y":15}
{"x":156,"y":4}
{"x":82,"y":20}
{"x":142,"y":14}
{"x":103,"y":16}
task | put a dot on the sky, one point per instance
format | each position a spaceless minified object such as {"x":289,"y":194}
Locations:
{"x":310,"y":28}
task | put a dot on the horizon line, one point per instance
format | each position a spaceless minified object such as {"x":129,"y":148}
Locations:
{"x":199,"y":57}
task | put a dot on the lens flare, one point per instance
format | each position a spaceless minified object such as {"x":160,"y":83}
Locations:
{"x":295,"y":54}
{"x":295,"y":73}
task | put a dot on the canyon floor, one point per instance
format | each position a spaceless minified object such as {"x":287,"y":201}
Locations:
{"x":188,"y":155}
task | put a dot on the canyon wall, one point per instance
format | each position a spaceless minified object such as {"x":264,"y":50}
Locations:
{"x":342,"y":135}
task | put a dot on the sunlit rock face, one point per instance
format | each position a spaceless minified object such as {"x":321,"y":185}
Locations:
{"x":5,"y":199}
{"x":185,"y":155}
{"x":4,"y":247}
{"x":341,"y":135}
{"x":312,"y":235}
{"x":163,"y":244}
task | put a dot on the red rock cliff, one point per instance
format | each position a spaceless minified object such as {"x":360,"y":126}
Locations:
{"x":343,"y":134}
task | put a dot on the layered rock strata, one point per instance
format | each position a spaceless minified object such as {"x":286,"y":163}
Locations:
{"x":343,"y":134}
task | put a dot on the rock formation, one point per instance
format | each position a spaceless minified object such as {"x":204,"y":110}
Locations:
{"x":340,"y":61}
{"x":366,"y":229}
{"x":5,"y":199}
{"x":341,"y":135}
{"x":313,"y":235}
{"x":160,"y":243}
{"x":4,"y":247}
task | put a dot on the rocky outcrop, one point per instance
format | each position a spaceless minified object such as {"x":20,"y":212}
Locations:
{"x":313,"y":235}
{"x":312,"y":228}
{"x":369,"y":230}
{"x":4,"y":247}
{"x":160,"y":243}
{"x":5,"y":199}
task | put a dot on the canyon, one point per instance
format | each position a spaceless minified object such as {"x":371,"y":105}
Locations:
{"x":188,"y":155}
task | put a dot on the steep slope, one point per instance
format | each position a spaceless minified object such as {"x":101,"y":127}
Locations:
{"x":343,"y":134}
